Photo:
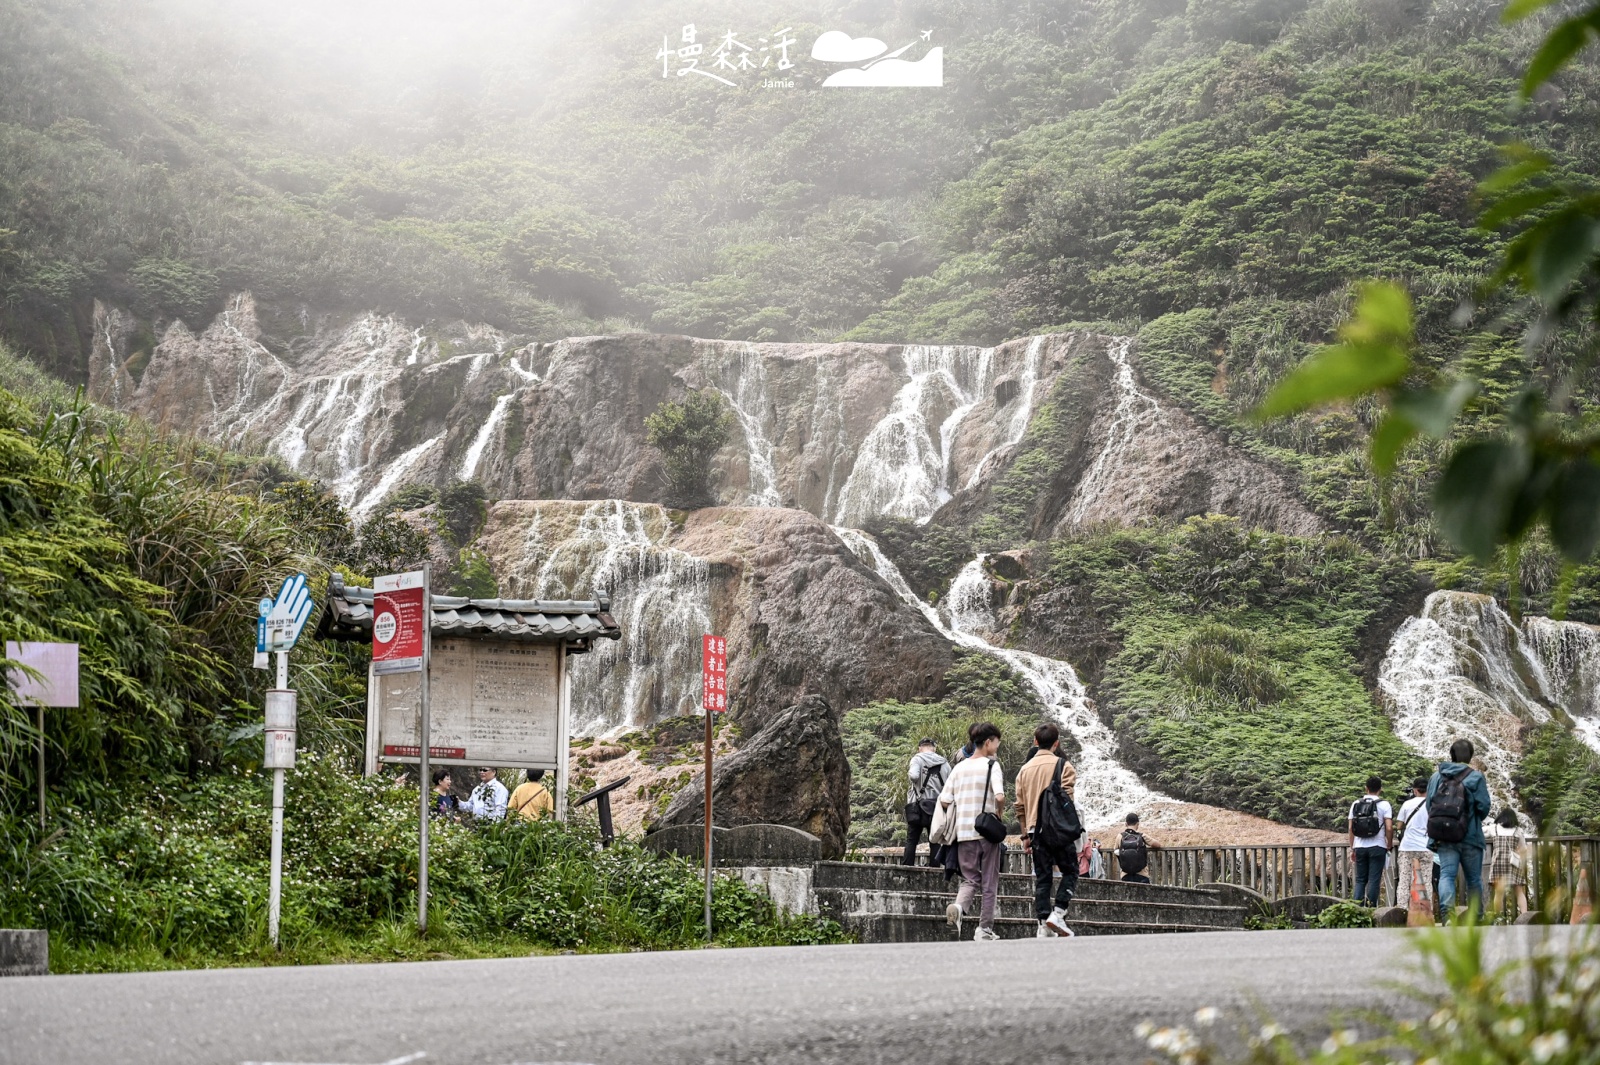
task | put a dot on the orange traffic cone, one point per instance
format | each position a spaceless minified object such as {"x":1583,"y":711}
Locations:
{"x":1582,"y":899}
{"x":1419,"y":911}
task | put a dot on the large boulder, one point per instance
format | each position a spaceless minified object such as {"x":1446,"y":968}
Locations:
{"x":793,"y":772}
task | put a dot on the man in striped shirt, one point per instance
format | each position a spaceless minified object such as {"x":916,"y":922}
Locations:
{"x":977,"y":784}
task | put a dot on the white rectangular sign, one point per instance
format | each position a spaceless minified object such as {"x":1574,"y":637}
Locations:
{"x":490,"y":704}
{"x":57,"y":664}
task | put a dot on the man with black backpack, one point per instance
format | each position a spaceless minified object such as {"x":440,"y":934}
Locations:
{"x":926,"y":773}
{"x":1050,"y":828}
{"x":1371,"y":825}
{"x":1133,"y":852}
{"x":1458,"y":801}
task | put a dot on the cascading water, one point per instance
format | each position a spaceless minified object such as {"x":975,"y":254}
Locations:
{"x":745,"y":387}
{"x":901,"y":469}
{"x":661,"y":596}
{"x":1135,"y":410}
{"x":1106,"y":789}
{"x":1464,"y":669}
{"x":1017,"y":427}
{"x":474,"y":455}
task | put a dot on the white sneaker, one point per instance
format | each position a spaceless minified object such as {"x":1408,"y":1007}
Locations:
{"x":1044,"y":932}
{"x":984,"y":935}
{"x":1057,"y":924}
{"x":952,"y":915}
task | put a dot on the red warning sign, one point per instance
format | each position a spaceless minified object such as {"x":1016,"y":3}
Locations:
{"x":714,"y":673}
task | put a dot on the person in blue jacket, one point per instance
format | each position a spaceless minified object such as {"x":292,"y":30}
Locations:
{"x":1465,"y":857}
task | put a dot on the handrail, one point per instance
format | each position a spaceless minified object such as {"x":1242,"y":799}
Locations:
{"x":1279,"y":870}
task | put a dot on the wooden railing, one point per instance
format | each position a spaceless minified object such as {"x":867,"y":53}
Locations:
{"x":1281,"y":870}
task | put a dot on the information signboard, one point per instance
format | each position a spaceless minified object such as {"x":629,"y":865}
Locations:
{"x":397,"y":622}
{"x":491,"y":703}
{"x":714,"y":674}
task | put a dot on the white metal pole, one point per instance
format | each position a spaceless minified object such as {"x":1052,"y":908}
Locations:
{"x":275,"y":889}
{"x":426,"y":742}
{"x":564,"y":725}
{"x":41,"y":767}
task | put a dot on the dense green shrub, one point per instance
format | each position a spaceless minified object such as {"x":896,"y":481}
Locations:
{"x":182,"y":871}
{"x":1238,"y":678}
{"x":1558,"y":781}
{"x":688,"y":434}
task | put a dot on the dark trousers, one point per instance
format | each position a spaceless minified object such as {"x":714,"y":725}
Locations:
{"x":1369,"y":873}
{"x":914,"y":831}
{"x":1045,"y":862}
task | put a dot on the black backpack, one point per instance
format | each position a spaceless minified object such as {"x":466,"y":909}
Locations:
{"x":1057,"y":825}
{"x":1447,"y":810}
{"x":1364,"y":819}
{"x":1133,"y":854}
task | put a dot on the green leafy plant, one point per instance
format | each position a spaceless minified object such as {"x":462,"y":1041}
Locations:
{"x":688,"y":434}
{"x":1345,"y":914}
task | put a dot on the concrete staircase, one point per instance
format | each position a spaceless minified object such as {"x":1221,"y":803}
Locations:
{"x":902,"y":904}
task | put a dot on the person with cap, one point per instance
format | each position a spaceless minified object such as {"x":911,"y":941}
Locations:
{"x":488,"y":799}
{"x":926,"y":773}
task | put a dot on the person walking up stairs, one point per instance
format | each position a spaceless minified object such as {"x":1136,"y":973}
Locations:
{"x":1049,"y":832}
{"x":974,"y":794}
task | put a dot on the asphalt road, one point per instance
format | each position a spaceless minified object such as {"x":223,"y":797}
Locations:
{"x":1015,"y":1001}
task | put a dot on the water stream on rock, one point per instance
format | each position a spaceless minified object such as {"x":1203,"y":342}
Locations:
{"x":1135,"y":410}
{"x":1463,"y":668}
{"x":661,"y":596}
{"x":902,"y":470}
{"x":1106,"y":789}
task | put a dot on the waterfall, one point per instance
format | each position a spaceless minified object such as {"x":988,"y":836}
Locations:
{"x":1107,"y":790}
{"x":497,"y":414}
{"x":1464,"y":669}
{"x":1135,"y":411}
{"x":747,"y":394}
{"x":391,"y":478}
{"x":900,"y":469}
{"x":1017,"y":427}
{"x":661,"y":596}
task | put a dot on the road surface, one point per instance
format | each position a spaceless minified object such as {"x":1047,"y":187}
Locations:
{"x":1012,"y":1001}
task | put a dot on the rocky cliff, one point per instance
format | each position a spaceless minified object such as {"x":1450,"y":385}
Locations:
{"x":801,"y":614}
{"x":847,"y":432}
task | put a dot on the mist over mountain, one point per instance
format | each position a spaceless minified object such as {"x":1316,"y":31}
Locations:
{"x":1011,"y":327}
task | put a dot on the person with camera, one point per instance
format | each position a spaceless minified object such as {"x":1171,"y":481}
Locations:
{"x":927,"y":774}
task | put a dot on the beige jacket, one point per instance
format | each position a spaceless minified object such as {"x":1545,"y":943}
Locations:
{"x":1034,"y":778}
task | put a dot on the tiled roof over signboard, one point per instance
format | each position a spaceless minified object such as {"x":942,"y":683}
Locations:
{"x":576,"y":622}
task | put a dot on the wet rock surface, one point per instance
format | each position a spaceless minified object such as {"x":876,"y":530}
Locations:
{"x":793,"y":772}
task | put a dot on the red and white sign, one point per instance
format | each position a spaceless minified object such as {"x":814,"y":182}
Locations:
{"x":397,"y":621}
{"x":714,"y":673}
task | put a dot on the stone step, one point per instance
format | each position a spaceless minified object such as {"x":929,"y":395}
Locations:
{"x":840,"y":903}
{"x":875,"y":877}
{"x":916,"y":928}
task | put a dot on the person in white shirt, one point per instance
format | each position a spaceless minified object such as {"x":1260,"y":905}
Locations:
{"x":975,"y":786}
{"x":1416,"y":860}
{"x":1371,"y":822}
{"x":488,"y":801}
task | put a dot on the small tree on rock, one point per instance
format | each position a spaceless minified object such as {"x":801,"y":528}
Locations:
{"x":688,"y":434}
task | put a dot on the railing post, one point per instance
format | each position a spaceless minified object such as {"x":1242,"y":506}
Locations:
{"x":1298,"y":884}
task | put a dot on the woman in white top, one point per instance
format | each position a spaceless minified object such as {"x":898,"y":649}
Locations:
{"x":975,"y":785}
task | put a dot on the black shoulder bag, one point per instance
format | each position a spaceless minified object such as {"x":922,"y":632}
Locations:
{"x":988,"y":823}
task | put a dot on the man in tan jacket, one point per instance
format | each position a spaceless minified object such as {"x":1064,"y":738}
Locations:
{"x":1033,"y":780}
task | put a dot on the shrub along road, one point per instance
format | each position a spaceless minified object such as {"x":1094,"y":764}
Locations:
{"x":1012,"y":1001}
